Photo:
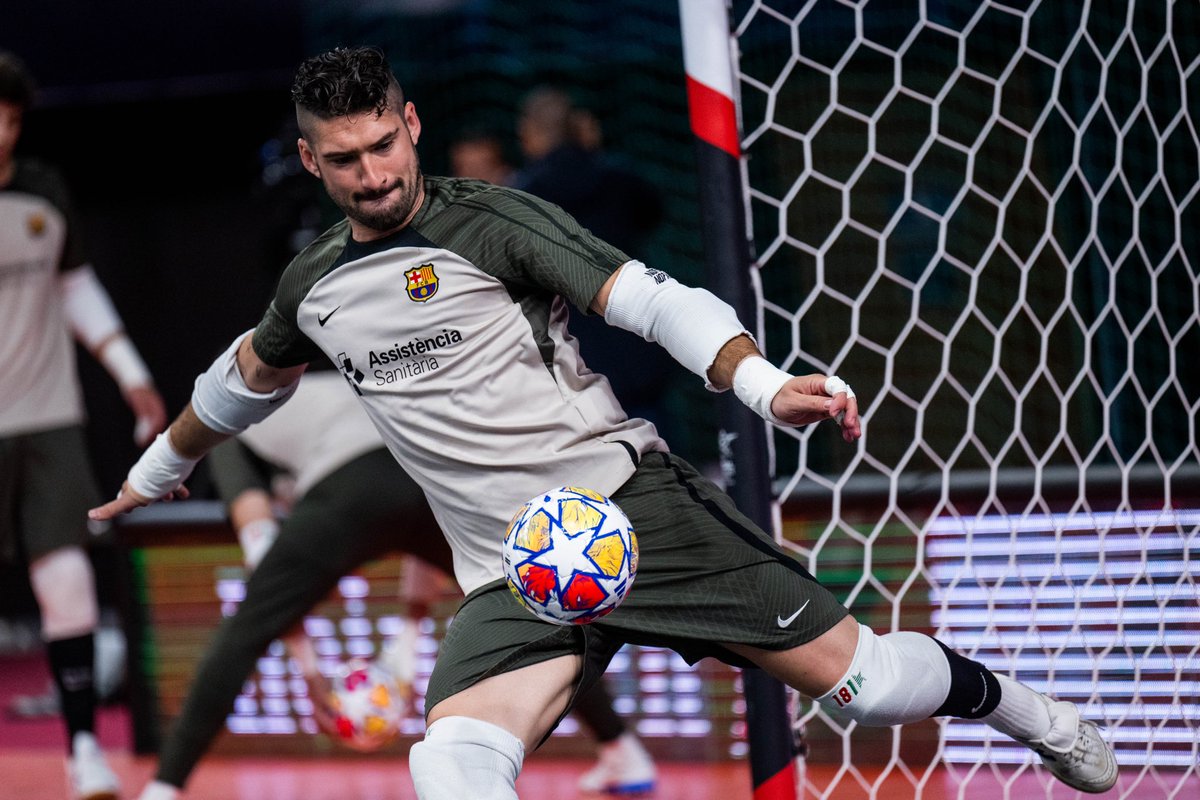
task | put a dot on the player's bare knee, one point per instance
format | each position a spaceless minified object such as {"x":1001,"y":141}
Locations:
{"x":65,"y":590}
{"x":465,"y":757}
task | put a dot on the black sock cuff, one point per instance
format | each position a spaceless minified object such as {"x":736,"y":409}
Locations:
{"x":974,"y":690}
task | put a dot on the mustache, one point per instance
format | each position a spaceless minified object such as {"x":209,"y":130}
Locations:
{"x":368,"y":196}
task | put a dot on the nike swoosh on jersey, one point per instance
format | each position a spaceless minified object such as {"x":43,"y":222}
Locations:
{"x":322,"y":320}
{"x":784,"y":622}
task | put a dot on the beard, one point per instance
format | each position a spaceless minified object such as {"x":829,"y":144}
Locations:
{"x":384,"y":217}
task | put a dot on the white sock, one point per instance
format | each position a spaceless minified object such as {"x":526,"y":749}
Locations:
{"x":1021,"y":713}
{"x":461,"y":757}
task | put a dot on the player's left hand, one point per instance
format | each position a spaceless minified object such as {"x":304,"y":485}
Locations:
{"x":147,"y":406}
{"x":805,"y":399}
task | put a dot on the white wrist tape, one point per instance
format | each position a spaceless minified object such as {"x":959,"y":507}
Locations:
{"x":835,"y":385}
{"x":122,"y":361}
{"x":691,"y":324}
{"x":223,"y":402}
{"x":256,"y":539}
{"x":88,"y":307}
{"x":756,"y":381}
{"x":160,"y":470}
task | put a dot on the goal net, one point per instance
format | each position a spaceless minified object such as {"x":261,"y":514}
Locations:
{"x":985,"y":217}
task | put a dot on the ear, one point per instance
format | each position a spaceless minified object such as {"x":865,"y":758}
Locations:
{"x":412,"y":122}
{"x":307,"y":157}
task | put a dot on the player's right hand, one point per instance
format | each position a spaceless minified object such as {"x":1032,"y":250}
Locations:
{"x":127,"y":500}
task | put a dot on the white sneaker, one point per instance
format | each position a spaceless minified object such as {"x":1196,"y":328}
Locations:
{"x":157,"y":790}
{"x":1074,"y":751}
{"x":624,"y":767}
{"x":87,"y":772}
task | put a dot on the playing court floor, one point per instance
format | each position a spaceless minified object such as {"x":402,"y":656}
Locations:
{"x":37,"y":774}
{"x":31,"y":768}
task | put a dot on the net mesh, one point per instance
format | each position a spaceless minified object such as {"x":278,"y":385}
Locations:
{"x":984,"y":215}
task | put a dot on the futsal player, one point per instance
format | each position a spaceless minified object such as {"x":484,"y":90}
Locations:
{"x":468,"y":370}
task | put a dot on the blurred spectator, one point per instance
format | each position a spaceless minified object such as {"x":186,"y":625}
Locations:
{"x":481,"y":154}
{"x":565,"y":163}
{"x":49,"y":292}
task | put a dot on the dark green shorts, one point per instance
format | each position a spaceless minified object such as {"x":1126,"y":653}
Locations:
{"x":46,"y":489}
{"x":706,"y":576}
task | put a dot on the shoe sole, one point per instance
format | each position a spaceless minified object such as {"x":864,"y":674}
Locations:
{"x":101,"y":795}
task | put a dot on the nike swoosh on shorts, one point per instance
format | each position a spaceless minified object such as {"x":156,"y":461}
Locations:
{"x":784,"y":622}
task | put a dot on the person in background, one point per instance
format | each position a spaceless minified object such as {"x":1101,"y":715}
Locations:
{"x":481,"y":154}
{"x":565,"y":163}
{"x":348,"y":502}
{"x":49,"y":294}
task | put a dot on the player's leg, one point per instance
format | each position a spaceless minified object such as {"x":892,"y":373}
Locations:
{"x":903,"y":677}
{"x":317,"y":544}
{"x":623,"y":765}
{"x":503,"y":680}
{"x":770,"y":611}
{"x":391,"y":508}
{"x":54,"y":490}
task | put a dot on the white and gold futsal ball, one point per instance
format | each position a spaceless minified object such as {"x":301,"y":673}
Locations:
{"x":570,"y":555}
{"x":368,"y":705}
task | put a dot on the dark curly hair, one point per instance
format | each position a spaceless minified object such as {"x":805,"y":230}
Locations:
{"x":16,"y":83}
{"x":346,"y":81}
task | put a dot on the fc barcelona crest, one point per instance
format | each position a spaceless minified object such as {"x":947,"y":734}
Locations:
{"x":422,"y":282}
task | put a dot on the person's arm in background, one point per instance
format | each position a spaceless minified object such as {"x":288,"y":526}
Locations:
{"x":243,"y":482}
{"x":97,"y":325}
{"x":238,"y":390}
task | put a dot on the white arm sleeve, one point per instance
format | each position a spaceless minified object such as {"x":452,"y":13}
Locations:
{"x":691,"y":324}
{"x":95,"y":322}
{"x":223,"y":401}
{"x":89,"y":309}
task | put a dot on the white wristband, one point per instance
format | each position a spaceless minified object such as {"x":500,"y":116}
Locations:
{"x":256,"y":539}
{"x":160,"y":470}
{"x":756,"y":381}
{"x":122,"y":361}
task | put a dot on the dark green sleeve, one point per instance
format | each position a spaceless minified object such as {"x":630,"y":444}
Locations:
{"x":520,"y":238}
{"x":47,"y":181}
{"x":559,"y":254}
{"x":278,"y":340}
{"x":234,"y":469}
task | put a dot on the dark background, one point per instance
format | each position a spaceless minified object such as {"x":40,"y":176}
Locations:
{"x":164,"y":115}
{"x":170,"y":121}
{"x":156,"y":114}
